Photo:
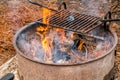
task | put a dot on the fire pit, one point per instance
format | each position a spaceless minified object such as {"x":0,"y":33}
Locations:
{"x":32,"y":62}
{"x":65,"y":47}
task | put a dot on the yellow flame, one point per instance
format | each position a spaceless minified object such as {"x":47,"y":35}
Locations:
{"x":46,"y":12}
{"x":45,"y":43}
{"x":42,"y":32}
{"x":41,"y":28}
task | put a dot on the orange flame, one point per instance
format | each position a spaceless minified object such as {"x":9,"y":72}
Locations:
{"x":46,"y":12}
{"x":41,"y":28}
{"x":62,"y":33}
{"x":80,"y":45}
{"x":46,"y":42}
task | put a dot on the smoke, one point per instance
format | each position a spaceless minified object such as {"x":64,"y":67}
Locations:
{"x":95,"y":7}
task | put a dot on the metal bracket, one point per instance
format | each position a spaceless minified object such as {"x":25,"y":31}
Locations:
{"x":107,"y":16}
{"x":62,"y":3}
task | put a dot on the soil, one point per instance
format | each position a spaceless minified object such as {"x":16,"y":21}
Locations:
{"x":13,"y":15}
{"x":6,"y":46}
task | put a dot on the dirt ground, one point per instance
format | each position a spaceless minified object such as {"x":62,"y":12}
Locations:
{"x":6,"y":46}
{"x":13,"y":15}
{"x":16,"y":13}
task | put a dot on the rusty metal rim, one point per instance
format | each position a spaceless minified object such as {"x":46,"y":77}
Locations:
{"x":54,"y":64}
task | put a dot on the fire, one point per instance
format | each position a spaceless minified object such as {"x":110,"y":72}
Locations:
{"x":61,"y":32}
{"x":46,"y":12}
{"x":42,"y":32}
{"x":47,"y":37}
{"x":42,"y":28}
{"x":80,"y":45}
{"x":46,"y":44}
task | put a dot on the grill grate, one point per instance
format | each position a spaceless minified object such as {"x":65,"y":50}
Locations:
{"x":73,"y":21}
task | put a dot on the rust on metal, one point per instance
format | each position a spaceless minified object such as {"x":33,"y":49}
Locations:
{"x":73,"y":21}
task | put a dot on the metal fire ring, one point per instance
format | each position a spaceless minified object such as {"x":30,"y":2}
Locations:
{"x":92,"y":60}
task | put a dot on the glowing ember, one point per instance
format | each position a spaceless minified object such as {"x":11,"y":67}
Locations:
{"x":80,"y":45}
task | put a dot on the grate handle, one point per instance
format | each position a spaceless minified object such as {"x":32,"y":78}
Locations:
{"x":42,"y":5}
{"x":110,"y":20}
{"x":108,"y":17}
{"x":62,"y":3}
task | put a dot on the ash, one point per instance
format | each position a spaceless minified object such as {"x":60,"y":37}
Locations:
{"x":62,"y":47}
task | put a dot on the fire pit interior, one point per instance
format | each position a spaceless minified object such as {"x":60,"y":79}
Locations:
{"x":47,"y":44}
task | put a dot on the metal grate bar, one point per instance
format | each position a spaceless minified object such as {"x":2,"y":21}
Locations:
{"x":68,"y":24}
{"x":83,"y":23}
{"x":78,"y":22}
{"x":91,"y":28}
{"x":88,"y":23}
{"x":63,"y":22}
{"x":55,"y":17}
{"x":73,"y":21}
